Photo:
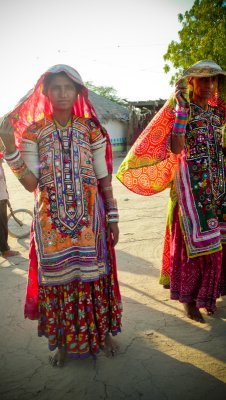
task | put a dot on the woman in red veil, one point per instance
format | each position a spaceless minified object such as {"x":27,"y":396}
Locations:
{"x":57,"y":148}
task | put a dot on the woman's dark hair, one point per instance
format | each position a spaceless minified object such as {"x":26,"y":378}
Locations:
{"x":48,"y":79}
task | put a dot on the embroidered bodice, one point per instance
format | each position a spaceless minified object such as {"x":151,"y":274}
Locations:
{"x":69,"y":217}
{"x":204,"y":152}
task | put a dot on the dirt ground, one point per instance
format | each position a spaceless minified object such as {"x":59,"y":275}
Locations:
{"x":162,"y":356}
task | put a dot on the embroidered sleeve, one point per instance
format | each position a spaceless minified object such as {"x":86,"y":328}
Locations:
{"x":98,"y":147}
{"x":29,"y":151}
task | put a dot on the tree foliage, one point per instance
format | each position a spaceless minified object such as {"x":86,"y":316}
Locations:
{"x":106,"y":91}
{"x":203,"y":36}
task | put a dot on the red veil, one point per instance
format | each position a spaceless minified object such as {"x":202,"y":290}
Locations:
{"x":35,"y":105}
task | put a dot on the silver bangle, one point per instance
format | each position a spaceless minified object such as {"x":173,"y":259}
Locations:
{"x":113,"y":220}
{"x":10,"y":156}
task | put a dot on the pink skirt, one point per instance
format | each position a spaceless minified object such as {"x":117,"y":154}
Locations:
{"x":201,"y":279}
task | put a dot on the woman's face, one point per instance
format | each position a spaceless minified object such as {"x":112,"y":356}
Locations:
{"x":62,"y":93}
{"x":205,"y":87}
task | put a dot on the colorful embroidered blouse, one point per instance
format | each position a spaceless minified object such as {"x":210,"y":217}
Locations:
{"x":69,"y":217}
{"x":200,"y":182}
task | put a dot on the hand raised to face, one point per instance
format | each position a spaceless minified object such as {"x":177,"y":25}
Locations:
{"x":181,"y":93}
{"x":7,"y":135}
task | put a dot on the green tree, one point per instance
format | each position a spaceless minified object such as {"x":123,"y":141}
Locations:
{"x":203,"y":36}
{"x":106,"y":91}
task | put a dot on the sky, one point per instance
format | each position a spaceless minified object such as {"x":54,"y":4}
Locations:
{"x":118,"y":43}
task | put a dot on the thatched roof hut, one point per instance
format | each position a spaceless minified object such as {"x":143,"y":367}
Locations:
{"x":107,"y":109}
{"x":114,"y":117}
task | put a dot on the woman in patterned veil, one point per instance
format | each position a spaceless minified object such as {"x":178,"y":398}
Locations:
{"x":182,"y":149}
{"x":57,"y":148}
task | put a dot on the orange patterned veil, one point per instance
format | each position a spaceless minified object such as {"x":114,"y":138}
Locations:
{"x":149,"y":166}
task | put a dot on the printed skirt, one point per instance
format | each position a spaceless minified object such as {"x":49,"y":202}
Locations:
{"x":78,"y":315}
{"x":201,"y":279}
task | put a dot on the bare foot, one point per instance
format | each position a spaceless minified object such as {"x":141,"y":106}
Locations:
{"x":193,"y":312}
{"x":10,"y":253}
{"x":57,"y":360}
{"x":111,"y":347}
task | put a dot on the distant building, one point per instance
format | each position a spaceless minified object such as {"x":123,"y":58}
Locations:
{"x":124,"y":124}
{"x":140,"y":114}
{"x":114,"y":118}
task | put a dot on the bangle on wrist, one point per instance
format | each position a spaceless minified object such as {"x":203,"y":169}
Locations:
{"x":11,"y":156}
{"x":113,"y":220}
{"x":113,"y":217}
{"x":17,"y":164}
{"x":106,"y":189}
{"x":180,"y":123}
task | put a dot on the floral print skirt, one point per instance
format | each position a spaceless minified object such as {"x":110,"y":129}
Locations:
{"x":78,"y":315}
